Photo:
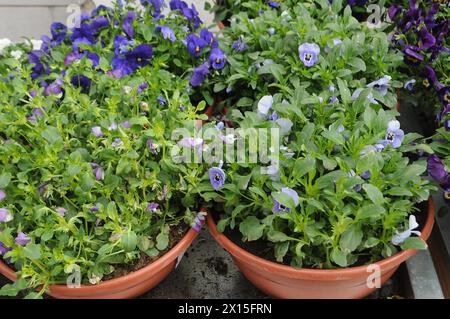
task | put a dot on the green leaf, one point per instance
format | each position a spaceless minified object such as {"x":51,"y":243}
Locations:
{"x":339,"y":257}
{"x":277,"y":236}
{"x":129,"y":241}
{"x":284,"y":199}
{"x":123,"y":167}
{"x":280,"y":250}
{"x":414,"y":243}
{"x":251,"y":228}
{"x":32,"y":251}
{"x":51,"y":135}
{"x":162,"y":241}
{"x":344,"y":91}
{"x":11,"y":290}
{"x":245,"y":101}
{"x":351,"y":239}
{"x":303,"y":166}
{"x":5,"y":178}
{"x":374,"y":194}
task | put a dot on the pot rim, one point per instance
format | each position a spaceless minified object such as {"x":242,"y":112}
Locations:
{"x":121,"y":282}
{"x":319,"y":274}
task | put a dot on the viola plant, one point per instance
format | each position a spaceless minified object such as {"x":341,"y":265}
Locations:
{"x":310,"y":47}
{"x":342,"y":191}
{"x":422,"y":34}
{"x":87,"y":183}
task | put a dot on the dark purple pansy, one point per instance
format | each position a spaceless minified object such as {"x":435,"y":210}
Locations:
{"x":39,"y":68}
{"x":192,"y":15}
{"x":199,"y":75}
{"x":444,"y":95}
{"x":217,"y":177}
{"x":177,"y":5}
{"x":430,"y":78}
{"x":394,"y":10}
{"x":131,"y":61}
{"x":122,"y":45}
{"x":427,"y":40}
{"x":412,"y":56}
{"x":127,"y":23}
{"x":217,"y":59}
{"x":142,"y":87}
{"x":55,"y":88}
{"x":209,"y":38}
{"x":161,"y":100}
{"x":436,"y":169}
{"x":273,"y":4}
{"x":59,"y":33}
{"x":81,"y":81}
{"x":36,"y":114}
{"x":22,"y":239}
{"x":195,"y":45}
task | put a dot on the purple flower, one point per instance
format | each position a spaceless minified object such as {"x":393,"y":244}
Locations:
{"x":279,"y":208}
{"x":59,"y":32}
{"x":366,"y":175}
{"x":195,"y":45}
{"x":381,"y":85}
{"x":5,"y":215}
{"x":152,"y":207}
{"x":61,"y":211}
{"x":436,"y":169}
{"x":394,"y":10}
{"x":37,"y":113}
{"x":39,"y":68}
{"x":217,"y":177}
{"x":239,"y":45}
{"x":334,"y":99}
{"x":152,"y":147}
{"x":309,"y":53}
{"x":132,"y":60}
{"x":430,"y":78}
{"x":127,"y":23}
{"x":273,"y":4}
{"x":444,"y":95}
{"x":98,"y":171}
{"x":217,"y":59}
{"x":394,"y":135}
{"x":177,"y":5}
{"x":97,"y":131}
{"x":126,"y":124}
{"x":122,"y":45}
{"x":2,"y":194}
{"x":3,"y":249}
{"x":412,"y":56}
{"x":82,"y":82}
{"x":22,"y":239}
{"x":410,"y":85}
{"x":161,"y":100}
{"x":167,"y":33}
{"x":199,"y":75}
{"x":54,"y":88}
{"x":192,"y":15}
{"x":427,"y":40}
{"x":199,"y":221}
{"x":208,"y":37}
{"x":117,"y":142}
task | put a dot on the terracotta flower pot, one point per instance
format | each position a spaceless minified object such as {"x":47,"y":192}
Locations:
{"x":282,"y":281}
{"x":129,"y":286}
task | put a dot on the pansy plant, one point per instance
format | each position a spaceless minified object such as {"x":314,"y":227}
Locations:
{"x":342,"y":191}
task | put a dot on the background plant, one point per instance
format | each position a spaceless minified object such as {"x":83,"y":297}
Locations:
{"x":87,"y":182}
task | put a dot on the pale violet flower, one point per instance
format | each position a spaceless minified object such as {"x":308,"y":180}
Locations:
{"x":271,"y":31}
{"x":190,"y":142}
{"x":97,"y":131}
{"x":285,"y":125}
{"x":309,"y":53}
{"x":265,"y":104}
{"x":279,"y":208}
{"x":400,"y":238}
{"x":5,"y":215}
{"x":410,"y":85}
{"x":394,"y":135}
{"x":381,"y":85}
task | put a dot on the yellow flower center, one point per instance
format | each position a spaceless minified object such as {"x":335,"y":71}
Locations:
{"x":412,"y":59}
{"x":308,"y":57}
{"x":139,"y":59}
{"x":197,"y":49}
{"x":426,"y":83}
{"x":447,"y":97}
{"x":447,"y":195}
{"x":217,"y":61}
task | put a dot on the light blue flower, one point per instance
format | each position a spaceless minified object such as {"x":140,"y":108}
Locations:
{"x":309,"y":53}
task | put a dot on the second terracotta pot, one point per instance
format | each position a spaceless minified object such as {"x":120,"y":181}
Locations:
{"x":286,"y":282}
{"x":128,"y":286}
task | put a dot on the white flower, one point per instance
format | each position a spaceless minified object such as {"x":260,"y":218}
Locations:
{"x":265,"y":104}
{"x":37,"y":44}
{"x":4,"y":43}
{"x":127,"y":89}
{"x":94,"y":279}
{"x":400,"y":238}
{"x":17,"y":54}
